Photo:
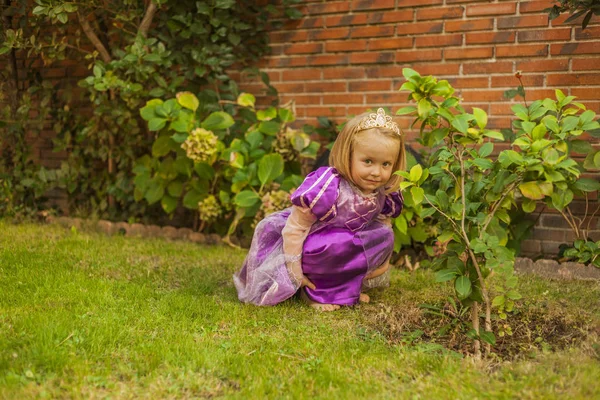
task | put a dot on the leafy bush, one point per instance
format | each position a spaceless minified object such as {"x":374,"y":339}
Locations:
{"x":576,"y":8}
{"x":228,"y":170}
{"x":584,"y":251}
{"x":135,"y":51}
{"x":475,"y":192}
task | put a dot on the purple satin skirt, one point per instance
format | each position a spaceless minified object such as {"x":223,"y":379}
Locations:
{"x":335,"y":258}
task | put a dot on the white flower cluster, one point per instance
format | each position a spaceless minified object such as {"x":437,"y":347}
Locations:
{"x":284,"y":144}
{"x":200,"y":145}
{"x":209,"y":209}
{"x":273,"y":201}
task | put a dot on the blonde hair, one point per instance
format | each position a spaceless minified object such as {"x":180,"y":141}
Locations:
{"x":341,"y":154}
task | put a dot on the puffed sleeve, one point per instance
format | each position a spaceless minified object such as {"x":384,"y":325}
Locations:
{"x":319,"y":193}
{"x":393,"y":205}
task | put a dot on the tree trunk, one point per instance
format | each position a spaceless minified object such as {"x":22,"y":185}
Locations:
{"x":13,"y":84}
{"x":475,"y":321}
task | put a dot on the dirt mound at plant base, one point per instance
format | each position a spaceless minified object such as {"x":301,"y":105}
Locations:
{"x":532,"y":327}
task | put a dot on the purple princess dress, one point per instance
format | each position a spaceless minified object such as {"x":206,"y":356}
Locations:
{"x":345,"y":243}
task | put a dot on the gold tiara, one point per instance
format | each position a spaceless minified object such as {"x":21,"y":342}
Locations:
{"x":379,"y":120}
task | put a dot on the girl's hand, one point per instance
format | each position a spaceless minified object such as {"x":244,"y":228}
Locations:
{"x":307,"y":283}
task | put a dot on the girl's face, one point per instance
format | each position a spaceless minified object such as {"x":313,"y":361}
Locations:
{"x":372,"y":160}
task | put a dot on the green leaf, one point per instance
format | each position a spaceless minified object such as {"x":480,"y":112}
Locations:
{"x":191,"y":199}
{"x":418,"y":194}
{"x":424,"y":106}
{"x":488,"y":337}
{"x":217,"y":120}
{"x":406,"y":110}
{"x":480,"y":117}
{"x":483,"y":163}
{"x":161,"y":146}
{"x":587,"y":185}
{"x":311,"y":150}
{"x":39,"y":10}
{"x":147,"y":112}
{"x":246,"y":198}
{"x":479,"y":246}
{"x":498,"y":301}
{"x":586,"y":116}
{"x":415,"y":173}
{"x":550,"y":156}
{"x":168,"y":203}
{"x":551,"y":123}
{"x":445,"y":236}
{"x":180,"y":126}
{"x":293,"y":13}
{"x":270,"y":128}
{"x":234,"y":39}
{"x":538,"y":132}
{"x":561,"y":199}
{"x":461,"y":123}
{"x":204,"y":170}
{"x":410,"y":73}
{"x":157,"y":92}
{"x":246,"y":100}
{"x":266,"y":115}
{"x":445,"y":275}
{"x":183,"y":165}
{"x":175,"y":189}
{"x":531,"y":190}
{"x":581,"y":146}
{"x":236,"y":159}
{"x":592,"y":161}
{"x":513,"y":295}
{"x":486,"y":149}
{"x":463,"y":287}
{"x":286,"y":115}
{"x":155,"y":193}
{"x":401,"y":224}
{"x":270,"y":167}
{"x":418,"y":233}
{"x":188,"y":100}
{"x":153,"y":58}
{"x":254,"y":138}
{"x":156,"y":124}
{"x":493,"y":135}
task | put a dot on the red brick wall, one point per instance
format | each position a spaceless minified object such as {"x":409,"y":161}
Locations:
{"x":345,"y":56}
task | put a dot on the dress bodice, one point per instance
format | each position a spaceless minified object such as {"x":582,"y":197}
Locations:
{"x":355,"y":209}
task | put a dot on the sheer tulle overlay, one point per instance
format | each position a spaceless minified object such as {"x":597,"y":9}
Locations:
{"x":346,"y":241}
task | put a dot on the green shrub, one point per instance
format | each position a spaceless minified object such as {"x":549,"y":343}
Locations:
{"x":475,"y":192}
{"x":228,"y":169}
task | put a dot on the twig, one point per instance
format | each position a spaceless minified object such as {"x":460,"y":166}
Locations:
{"x":591,"y":218}
{"x":570,"y":223}
{"x":488,"y":219}
{"x":91,"y":35}
{"x":147,"y":20}
{"x":65,"y":339}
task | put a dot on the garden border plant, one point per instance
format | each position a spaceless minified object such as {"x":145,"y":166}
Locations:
{"x":228,"y":170}
{"x":135,"y":51}
{"x":476,"y":191}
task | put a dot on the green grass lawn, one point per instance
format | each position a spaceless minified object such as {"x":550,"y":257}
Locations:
{"x":88,"y":316}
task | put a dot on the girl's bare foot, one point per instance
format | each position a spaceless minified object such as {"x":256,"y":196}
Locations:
{"x":364,"y":298}
{"x":317,"y":306}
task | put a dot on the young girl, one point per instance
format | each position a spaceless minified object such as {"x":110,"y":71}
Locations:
{"x":337,"y":233}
